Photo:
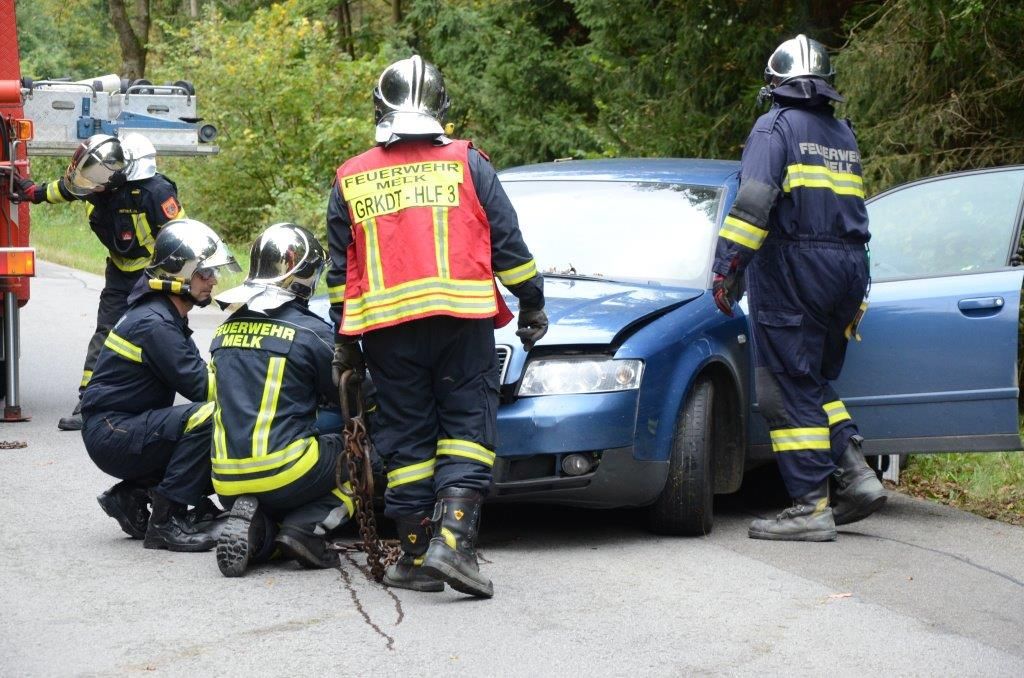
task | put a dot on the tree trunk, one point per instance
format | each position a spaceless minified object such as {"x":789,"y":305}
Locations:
{"x":132,"y":36}
{"x":396,"y":12}
{"x":345,"y":40}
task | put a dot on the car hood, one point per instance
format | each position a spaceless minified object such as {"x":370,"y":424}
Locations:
{"x":587,"y":311}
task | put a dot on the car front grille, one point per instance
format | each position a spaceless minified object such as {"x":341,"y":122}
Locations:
{"x":504,"y":353}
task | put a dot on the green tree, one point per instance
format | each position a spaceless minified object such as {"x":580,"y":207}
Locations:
{"x":289,"y":108}
{"x":935,"y":86}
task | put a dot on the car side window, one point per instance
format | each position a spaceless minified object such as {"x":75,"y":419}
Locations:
{"x":951,"y":225}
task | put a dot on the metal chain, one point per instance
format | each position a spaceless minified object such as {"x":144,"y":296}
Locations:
{"x":356,"y":460}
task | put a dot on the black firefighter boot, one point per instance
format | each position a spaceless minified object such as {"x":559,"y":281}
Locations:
{"x":407,"y":573}
{"x":73,"y":422}
{"x":808,"y":519}
{"x":126,"y":503}
{"x":246,"y":537}
{"x":451,"y":555}
{"x":310,"y":550}
{"x":169,"y":528}
{"x":858,"y":493}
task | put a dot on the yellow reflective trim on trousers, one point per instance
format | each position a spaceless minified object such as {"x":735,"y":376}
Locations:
{"x":411,"y":473}
{"x":268,"y":406}
{"x":374,"y":265}
{"x":259,"y":485}
{"x":123,"y":347}
{"x":464,"y":448}
{"x":836,"y":412}
{"x":817,"y":176}
{"x":441,"y":241}
{"x":200,"y":416}
{"x":795,"y":439}
{"x":267,"y":462}
{"x":86,"y":377}
{"x":336,"y":294}
{"x":743,"y":232}
{"x":518,"y":274}
{"x":345,"y":499}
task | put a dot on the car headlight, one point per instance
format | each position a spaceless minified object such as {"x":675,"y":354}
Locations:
{"x":552,"y":376}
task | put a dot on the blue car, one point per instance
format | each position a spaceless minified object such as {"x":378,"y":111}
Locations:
{"x":641,"y":393}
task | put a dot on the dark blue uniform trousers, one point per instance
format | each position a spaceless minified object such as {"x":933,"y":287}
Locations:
{"x":437,"y":397}
{"x":113,"y":303}
{"x":166,"y":449}
{"x":803,"y":295}
{"x":312,"y":502}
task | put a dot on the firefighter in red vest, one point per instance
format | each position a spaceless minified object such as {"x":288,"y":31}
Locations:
{"x":418,"y":228}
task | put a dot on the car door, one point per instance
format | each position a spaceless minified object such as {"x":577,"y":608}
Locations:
{"x":937,"y":369}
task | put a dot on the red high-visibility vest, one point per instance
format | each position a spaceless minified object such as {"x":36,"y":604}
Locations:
{"x":421,"y":241}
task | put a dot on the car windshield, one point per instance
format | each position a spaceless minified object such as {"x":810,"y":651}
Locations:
{"x":617,"y":230}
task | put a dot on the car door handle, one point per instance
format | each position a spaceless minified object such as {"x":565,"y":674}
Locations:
{"x":976,"y":304}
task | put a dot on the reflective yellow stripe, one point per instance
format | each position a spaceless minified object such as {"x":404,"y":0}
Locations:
{"x":211,"y":382}
{"x":53,"y":194}
{"x":441,"y":241}
{"x":417,"y":288}
{"x":128,"y":265}
{"x":220,"y":440}
{"x":336,"y":294}
{"x":123,"y":347}
{"x":817,"y":176}
{"x":200,"y":416}
{"x":86,"y":376}
{"x":743,"y":232}
{"x":836,"y":412}
{"x":374,"y":265}
{"x":345,"y":499}
{"x":268,"y":406}
{"x":465,"y":448}
{"x":411,"y":473}
{"x":433,"y":303}
{"x":449,"y":538}
{"x":267,"y":462}
{"x":791,"y":439}
{"x":521,"y":273}
{"x":258,"y":485}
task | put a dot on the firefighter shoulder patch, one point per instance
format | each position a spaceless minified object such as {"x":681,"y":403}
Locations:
{"x":171,"y":207}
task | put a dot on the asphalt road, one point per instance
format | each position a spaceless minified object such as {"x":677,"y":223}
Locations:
{"x":918,"y":590}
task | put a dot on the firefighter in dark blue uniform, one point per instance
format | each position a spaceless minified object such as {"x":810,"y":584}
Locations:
{"x":418,"y":228}
{"x":799,"y":231}
{"x":271,"y":464}
{"x":128,"y":201}
{"x":132,"y":429}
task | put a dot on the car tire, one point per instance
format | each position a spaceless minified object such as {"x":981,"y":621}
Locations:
{"x":685,"y":505}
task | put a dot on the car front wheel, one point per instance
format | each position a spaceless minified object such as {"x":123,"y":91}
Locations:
{"x":685,"y":506}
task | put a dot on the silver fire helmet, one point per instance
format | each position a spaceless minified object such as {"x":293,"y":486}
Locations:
{"x":798,"y":58}
{"x":141,"y":155}
{"x":183,"y":248}
{"x":95,"y":164}
{"x":410,"y":100}
{"x":285,"y":263}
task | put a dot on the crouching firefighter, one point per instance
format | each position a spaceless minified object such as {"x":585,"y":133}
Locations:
{"x":418,"y":228}
{"x":272,"y":361}
{"x":131,"y":427}
{"x":800,"y":210}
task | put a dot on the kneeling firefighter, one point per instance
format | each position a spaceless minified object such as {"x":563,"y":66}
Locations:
{"x":418,"y":227}
{"x":800,"y":222}
{"x":131,"y":427}
{"x":272,"y":361}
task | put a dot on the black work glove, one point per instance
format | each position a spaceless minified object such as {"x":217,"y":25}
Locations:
{"x":347,"y":356}
{"x":533,"y":324}
{"x":25,"y":190}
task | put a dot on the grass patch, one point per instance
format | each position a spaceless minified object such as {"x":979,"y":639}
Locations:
{"x":61,"y":234}
{"x":989,"y":484}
